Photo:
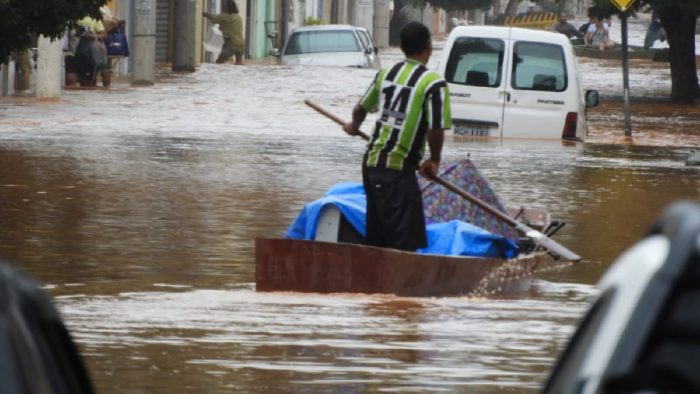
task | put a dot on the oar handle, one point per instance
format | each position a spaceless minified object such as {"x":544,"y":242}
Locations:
{"x":332,"y":117}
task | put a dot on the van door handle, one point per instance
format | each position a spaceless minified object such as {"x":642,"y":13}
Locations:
{"x":508,"y":97}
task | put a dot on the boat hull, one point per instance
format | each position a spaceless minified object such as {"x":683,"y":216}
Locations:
{"x":656,"y":55}
{"x":326,"y":267}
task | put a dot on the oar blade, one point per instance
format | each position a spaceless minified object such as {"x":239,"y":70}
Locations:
{"x":537,"y":237}
{"x":552,"y":246}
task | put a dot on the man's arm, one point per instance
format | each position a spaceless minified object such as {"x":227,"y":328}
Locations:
{"x":358,"y":116}
{"x":429,"y":167}
{"x":574,"y":31}
{"x":207,"y":15}
{"x":439,"y":119}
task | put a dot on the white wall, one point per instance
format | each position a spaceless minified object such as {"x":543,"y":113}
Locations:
{"x":364,"y":15}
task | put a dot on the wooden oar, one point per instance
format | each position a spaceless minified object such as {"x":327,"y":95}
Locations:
{"x":332,"y":117}
{"x":537,"y":237}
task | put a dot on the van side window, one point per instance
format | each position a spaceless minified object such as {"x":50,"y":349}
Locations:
{"x":475,"y":61}
{"x":539,"y":66}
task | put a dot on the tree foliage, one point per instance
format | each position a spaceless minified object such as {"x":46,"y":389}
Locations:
{"x":450,"y":5}
{"x":22,"y":20}
{"x":692,"y":6}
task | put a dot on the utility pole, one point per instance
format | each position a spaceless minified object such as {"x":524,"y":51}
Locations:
{"x":626,"y":77}
{"x":381,"y":23}
{"x":623,"y":5}
{"x":184,"y":27}
{"x":48,"y":70}
{"x":144,"y":43}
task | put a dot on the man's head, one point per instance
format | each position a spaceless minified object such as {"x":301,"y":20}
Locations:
{"x":563,"y":17}
{"x":231,"y":7}
{"x":415,"y":40}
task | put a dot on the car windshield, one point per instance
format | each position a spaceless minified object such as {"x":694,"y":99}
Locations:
{"x":322,"y":41}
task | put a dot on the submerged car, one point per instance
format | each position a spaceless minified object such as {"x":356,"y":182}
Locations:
{"x":329,"y":45}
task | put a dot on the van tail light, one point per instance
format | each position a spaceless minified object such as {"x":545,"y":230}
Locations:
{"x":569,"y":132}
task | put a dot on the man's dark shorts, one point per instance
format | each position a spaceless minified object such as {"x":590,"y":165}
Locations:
{"x":394,"y":209}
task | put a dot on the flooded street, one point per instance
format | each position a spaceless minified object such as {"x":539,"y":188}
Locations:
{"x":137,"y":208}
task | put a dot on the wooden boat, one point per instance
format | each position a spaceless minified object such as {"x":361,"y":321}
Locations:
{"x":334,"y":259}
{"x":656,"y":55}
{"x":615,"y":53}
{"x":350,"y":267}
{"x":327,"y":267}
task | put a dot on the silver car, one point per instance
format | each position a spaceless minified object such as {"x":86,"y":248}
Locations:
{"x":330,"y":45}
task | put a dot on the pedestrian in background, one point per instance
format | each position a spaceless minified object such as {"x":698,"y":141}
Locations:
{"x":231,"y":26}
{"x":654,"y":32}
{"x":583,"y":29}
{"x":91,"y":53}
{"x":598,"y":35}
{"x":71,"y":38}
{"x":415,"y":107}
{"x":564,"y":27}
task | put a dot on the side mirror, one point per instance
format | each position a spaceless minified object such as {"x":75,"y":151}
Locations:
{"x":368,"y":50}
{"x":275,"y":52}
{"x":592,"y":98}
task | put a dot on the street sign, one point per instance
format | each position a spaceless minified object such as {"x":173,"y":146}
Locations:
{"x":623,"y":5}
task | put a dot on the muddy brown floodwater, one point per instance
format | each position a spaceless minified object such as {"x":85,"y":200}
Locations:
{"x":655,"y":120}
{"x":654,"y":123}
{"x":136,"y":209}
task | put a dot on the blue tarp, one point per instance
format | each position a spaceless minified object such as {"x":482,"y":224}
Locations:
{"x":453,"y":238}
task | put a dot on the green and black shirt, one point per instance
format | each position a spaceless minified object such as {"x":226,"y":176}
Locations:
{"x":413,"y":100}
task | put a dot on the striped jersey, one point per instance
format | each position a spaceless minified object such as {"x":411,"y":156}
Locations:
{"x":412,"y":100}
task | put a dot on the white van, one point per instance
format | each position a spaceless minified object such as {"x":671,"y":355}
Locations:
{"x":508,"y":82}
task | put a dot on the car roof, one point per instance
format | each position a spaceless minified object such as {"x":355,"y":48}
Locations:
{"x":517,"y":33}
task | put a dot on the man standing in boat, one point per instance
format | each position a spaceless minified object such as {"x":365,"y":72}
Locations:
{"x":415,"y":107}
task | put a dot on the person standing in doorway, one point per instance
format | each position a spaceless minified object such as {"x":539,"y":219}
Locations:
{"x":415,"y":107}
{"x":231,"y":26}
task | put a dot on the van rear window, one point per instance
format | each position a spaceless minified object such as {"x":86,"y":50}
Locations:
{"x":539,"y":66}
{"x":475,"y":61}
